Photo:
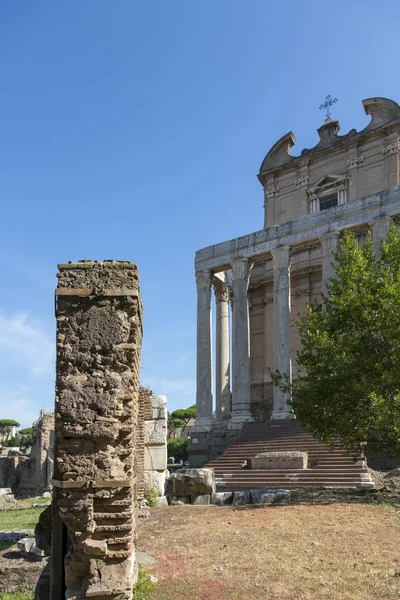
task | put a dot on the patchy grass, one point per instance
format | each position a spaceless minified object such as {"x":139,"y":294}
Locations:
{"x":329,"y":552}
{"x":144,"y":589}
{"x":15,"y":596}
{"x":19,"y":519}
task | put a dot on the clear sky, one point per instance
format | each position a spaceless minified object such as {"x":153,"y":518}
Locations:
{"x":134,"y":130}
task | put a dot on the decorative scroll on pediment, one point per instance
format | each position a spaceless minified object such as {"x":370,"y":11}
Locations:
{"x":382,"y":111}
{"x":280,"y":153}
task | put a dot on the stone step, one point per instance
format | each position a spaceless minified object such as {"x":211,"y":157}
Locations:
{"x":331,"y":467}
{"x":239,"y":486}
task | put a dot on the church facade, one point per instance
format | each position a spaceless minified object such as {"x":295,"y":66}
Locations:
{"x":263,"y":280}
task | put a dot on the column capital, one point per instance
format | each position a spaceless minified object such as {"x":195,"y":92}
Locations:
{"x":222,"y":291}
{"x":241,"y":268}
{"x":329,"y":242}
{"x":383,"y":220}
{"x":203,"y":280}
{"x":281,"y":256}
{"x":380,"y":229}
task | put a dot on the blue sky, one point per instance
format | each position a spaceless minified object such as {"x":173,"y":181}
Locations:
{"x":135,"y":130}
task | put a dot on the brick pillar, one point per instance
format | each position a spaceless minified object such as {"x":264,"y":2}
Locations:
{"x":145,"y":413}
{"x":99,"y":333}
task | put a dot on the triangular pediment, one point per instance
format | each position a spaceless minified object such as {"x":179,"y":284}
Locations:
{"x":327,"y":181}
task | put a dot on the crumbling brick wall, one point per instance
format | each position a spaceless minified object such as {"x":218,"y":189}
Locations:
{"x":99,"y":332}
{"x":144,"y":413}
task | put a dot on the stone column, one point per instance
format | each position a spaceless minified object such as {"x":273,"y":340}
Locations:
{"x":204,"y":399}
{"x":329,"y":244}
{"x":380,"y":229}
{"x":240,"y":343}
{"x":99,"y":339}
{"x":281,"y":263}
{"x":222,"y":371}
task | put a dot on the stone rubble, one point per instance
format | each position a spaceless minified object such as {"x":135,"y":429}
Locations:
{"x":268,"y":497}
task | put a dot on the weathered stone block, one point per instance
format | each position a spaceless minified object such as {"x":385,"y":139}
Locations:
{"x":193,"y":482}
{"x":268,"y":497}
{"x":159,"y":407}
{"x":161,"y":501}
{"x":201,"y":499}
{"x":280,"y":460}
{"x":155,"y":480}
{"x":95,"y":547}
{"x":221,"y":498}
{"x":239,"y":498}
{"x":26,"y":544}
{"x":155,"y":432}
{"x":155,"y":458}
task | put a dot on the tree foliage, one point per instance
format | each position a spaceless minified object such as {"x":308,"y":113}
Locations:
{"x":28,"y":436}
{"x":6,"y":426}
{"x":348,"y":386}
{"x":178,"y":448}
{"x":14,"y":442}
{"x":179,"y":419}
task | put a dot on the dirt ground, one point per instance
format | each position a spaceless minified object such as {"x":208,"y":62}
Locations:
{"x":298,"y":552}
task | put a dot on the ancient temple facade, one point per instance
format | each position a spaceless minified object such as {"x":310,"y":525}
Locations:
{"x":264,"y":279}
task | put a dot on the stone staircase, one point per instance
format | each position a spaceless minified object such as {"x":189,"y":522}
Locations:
{"x":327,"y":468}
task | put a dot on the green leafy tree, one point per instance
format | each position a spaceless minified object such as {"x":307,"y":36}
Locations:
{"x":6,"y":426}
{"x":178,"y":448}
{"x":14,"y":442}
{"x":348,"y":386}
{"x":180,"y":418}
{"x":28,"y":436}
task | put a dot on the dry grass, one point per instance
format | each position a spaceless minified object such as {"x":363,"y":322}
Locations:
{"x":269,"y":553}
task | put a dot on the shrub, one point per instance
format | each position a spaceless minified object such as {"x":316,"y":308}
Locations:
{"x":144,"y":588}
{"x":151,"y":497}
{"x":178,"y":448}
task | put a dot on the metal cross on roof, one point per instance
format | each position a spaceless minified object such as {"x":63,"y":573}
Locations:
{"x":329,"y":101}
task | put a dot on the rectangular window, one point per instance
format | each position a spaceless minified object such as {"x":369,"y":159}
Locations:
{"x":328,"y":202}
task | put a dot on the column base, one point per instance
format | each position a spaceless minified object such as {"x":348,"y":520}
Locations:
{"x":278,"y":415}
{"x":221,"y":422}
{"x":202,"y":424}
{"x":243,"y":418}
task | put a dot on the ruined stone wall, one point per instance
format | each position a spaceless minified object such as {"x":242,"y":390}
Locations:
{"x":152,"y":443}
{"x":99,"y":332}
{"x":155,"y":445}
{"x":29,"y":474}
{"x":45,"y":450}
